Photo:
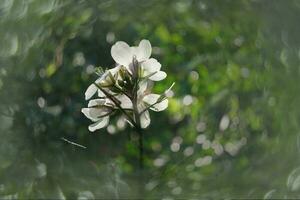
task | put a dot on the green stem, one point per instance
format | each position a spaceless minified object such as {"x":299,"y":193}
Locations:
{"x":140,"y":133}
{"x":141,"y":148}
{"x":140,"y":140}
{"x":137,"y":116}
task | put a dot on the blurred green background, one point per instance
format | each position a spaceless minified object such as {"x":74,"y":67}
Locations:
{"x":232,"y":126}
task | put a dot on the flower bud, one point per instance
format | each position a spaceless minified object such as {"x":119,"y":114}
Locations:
{"x":135,"y":67}
{"x":124,"y":75}
{"x":106,"y":80}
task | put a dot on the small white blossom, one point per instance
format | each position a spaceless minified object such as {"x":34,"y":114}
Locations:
{"x":124,"y":55}
{"x":99,"y":110}
{"x":150,"y":101}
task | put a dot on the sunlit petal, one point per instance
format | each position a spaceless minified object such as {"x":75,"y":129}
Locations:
{"x":145,"y":119}
{"x":151,"y":98}
{"x":150,"y":66}
{"x":121,"y":53}
{"x":125,"y":101}
{"x":143,"y":51}
{"x":145,"y":47}
{"x":158,"y":76}
{"x":160,"y":106}
{"x":142,"y":87}
{"x":136,"y":52}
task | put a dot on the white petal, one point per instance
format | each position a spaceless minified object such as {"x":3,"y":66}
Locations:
{"x":98,"y":112}
{"x":142,"y":87}
{"x":158,"y":76}
{"x":151,"y":98}
{"x":100,"y":94}
{"x":99,"y":124}
{"x":96,"y":102}
{"x":125,"y":101}
{"x":86,"y":112}
{"x":144,"y":50}
{"x":94,"y":113}
{"x":136,"y":52}
{"x":160,"y":106}
{"x":150,"y":66}
{"x":145,"y":119}
{"x":91,"y":90}
{"x":121,"y":53}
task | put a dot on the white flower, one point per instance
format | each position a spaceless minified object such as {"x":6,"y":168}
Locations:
{"x":125,"y":88}
{"x":123,"y":54}
{"x":151,"y":101}
{"x":99,"y":110}
{"x":146,"y":101}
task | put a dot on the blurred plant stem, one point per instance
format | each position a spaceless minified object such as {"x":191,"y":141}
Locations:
{"x":138,"y":127}
{"x":141,"y":177}
{"x":141,"y":147}
{"x":136,"y":111}
{"x":139,"y":132}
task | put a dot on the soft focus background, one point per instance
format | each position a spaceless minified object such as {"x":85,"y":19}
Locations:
{"x":232,"y":126}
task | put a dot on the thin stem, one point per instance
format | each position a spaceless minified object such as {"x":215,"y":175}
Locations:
{"x":136,"y":112}
{"x":141,"y":148}
{"x":123,"y":92}
{"x":140,"y":134}
{"x":73,"y":143}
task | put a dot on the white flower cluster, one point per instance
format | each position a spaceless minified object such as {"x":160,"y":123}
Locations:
{"x":126,"y":87}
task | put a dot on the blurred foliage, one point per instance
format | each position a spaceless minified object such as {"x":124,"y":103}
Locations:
{"x":232,"y":126}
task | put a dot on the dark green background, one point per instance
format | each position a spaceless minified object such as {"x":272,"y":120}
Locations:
{"x":238,"y":60}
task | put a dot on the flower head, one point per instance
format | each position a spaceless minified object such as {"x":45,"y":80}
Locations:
{"x":125,"y":55}
{"x":125,"y":88}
